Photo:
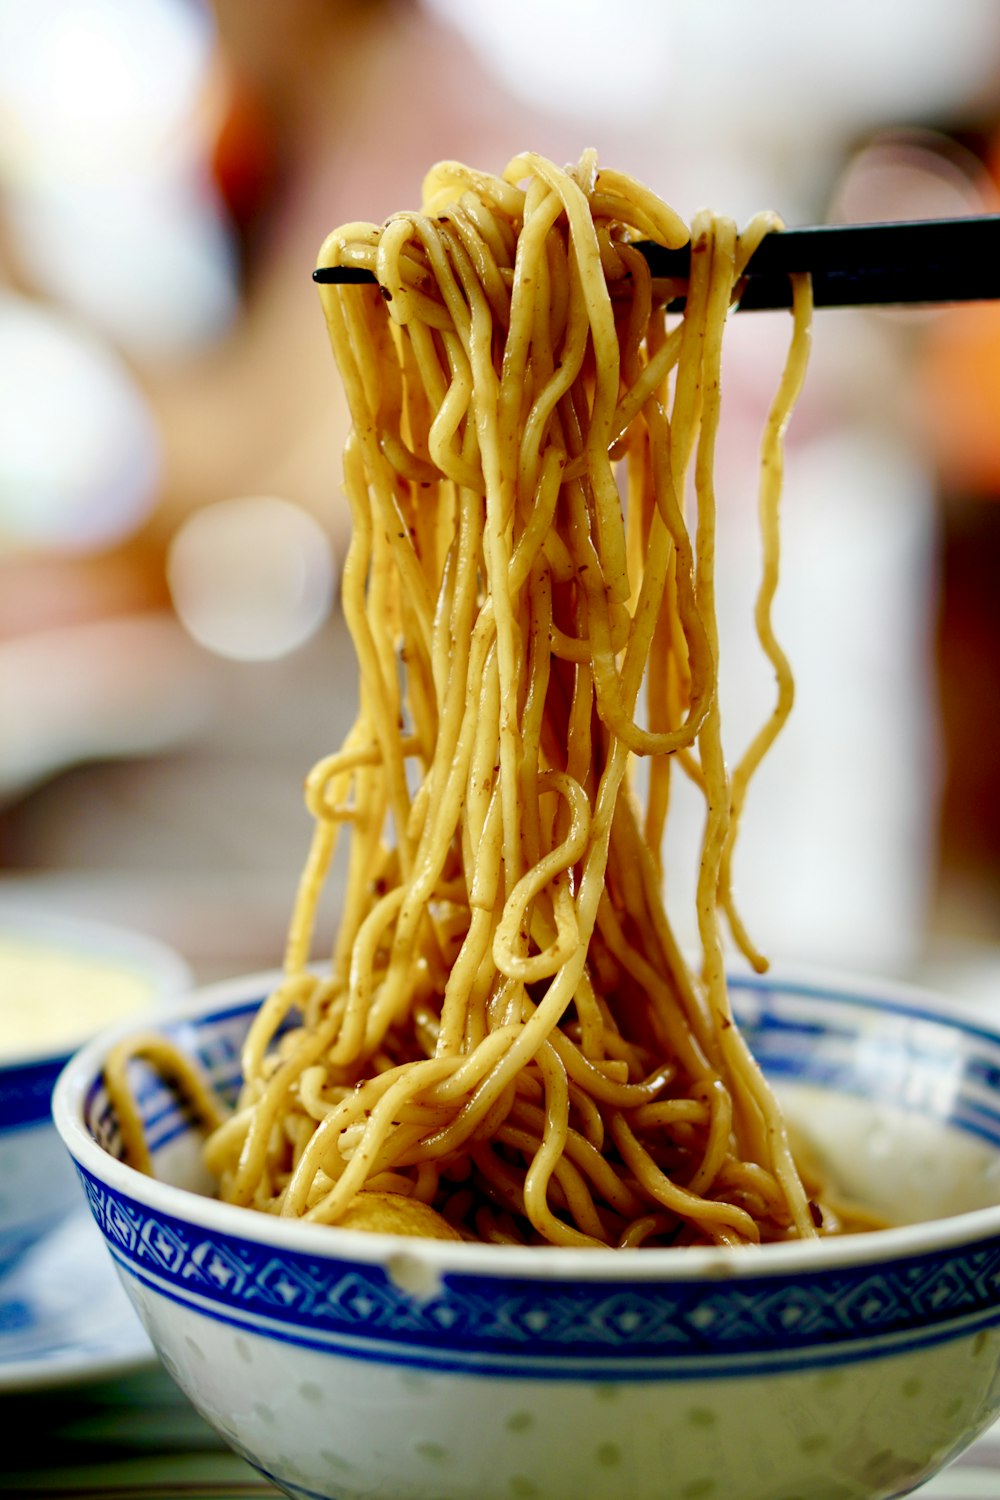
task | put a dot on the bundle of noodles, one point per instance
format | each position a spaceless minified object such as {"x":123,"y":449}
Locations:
{"x":508,"y":1040}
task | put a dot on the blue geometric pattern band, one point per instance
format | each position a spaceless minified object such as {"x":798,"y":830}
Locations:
{"x":331,"y":1300}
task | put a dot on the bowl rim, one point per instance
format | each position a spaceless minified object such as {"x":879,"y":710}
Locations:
{"x":168,"y":972}
{"x":508,"y":1262}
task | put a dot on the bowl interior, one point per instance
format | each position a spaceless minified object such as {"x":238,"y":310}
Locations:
{"x":896,"y":1095}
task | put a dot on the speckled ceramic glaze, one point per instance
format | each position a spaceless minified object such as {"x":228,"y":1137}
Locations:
{"x":37,"y":1187}
{"x":346,"y":1366}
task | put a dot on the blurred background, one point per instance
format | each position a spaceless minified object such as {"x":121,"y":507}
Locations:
{"x":172,"y":652}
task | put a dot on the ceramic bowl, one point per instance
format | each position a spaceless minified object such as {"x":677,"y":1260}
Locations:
{"x":37,"y":1184}
{"x":345,"y":1365}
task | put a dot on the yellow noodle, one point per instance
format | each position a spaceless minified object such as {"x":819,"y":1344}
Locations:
{"x":172,"y":1064}
{"x":507,"y":1031}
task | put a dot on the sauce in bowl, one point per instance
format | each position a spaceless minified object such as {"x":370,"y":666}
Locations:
{"x":62,"y":980}
{"x":52,"y":998}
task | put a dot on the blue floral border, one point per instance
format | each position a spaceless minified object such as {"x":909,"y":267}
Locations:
{"x":359,"y":1308}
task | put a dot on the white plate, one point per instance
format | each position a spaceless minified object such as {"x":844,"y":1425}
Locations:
{"x":64,"y":1316}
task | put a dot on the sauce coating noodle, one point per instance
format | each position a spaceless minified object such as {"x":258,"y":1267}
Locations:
{"x":507,"y":1036}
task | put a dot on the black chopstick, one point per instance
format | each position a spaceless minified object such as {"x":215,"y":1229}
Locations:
{"x":912,"y":262}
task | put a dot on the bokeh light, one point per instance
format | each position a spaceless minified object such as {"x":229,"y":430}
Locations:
{"x":150,"y":266}
{"x":79,"y":453}
{"x":911,"y":174}
{"x":92,"y":88}
{"x":758,"y":66}
{"x":105,"y":135}
{"x":251,"y":579}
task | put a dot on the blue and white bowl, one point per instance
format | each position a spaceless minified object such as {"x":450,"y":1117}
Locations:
{"x":37,"y":1187}
{"x":346,"y":1365}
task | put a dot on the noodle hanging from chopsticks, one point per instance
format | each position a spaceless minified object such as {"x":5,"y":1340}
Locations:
{"x":507,"y":1036}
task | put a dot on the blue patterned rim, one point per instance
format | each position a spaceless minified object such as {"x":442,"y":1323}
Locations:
{"x":587,"y":1315}
{"x":601,"y":1328}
